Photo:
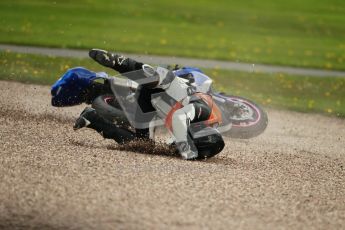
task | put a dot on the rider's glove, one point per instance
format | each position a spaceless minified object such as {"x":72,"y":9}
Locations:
{"x":104,"y":57}
{"x":117,"y":62}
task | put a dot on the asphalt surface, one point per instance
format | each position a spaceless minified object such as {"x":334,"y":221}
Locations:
{"x":290,"y":177}
{"x":162,"y":60}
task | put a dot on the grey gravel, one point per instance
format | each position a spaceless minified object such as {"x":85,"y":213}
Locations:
{"x":290,"y":177}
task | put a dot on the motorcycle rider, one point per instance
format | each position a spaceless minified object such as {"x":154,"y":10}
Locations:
{"x":188,"y":105}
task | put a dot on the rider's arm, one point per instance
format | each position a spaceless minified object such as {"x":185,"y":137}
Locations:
{"x":115,"y":61}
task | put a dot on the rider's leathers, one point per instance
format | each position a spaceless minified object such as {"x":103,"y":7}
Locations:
{"x":180,"y":91}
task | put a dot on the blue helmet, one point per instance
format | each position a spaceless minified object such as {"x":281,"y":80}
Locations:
{"x":70,"y":89}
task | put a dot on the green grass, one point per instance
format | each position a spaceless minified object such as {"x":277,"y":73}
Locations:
{"x":39,"y":69}
{"x":308,"y":33}
{"x":300,"y":93}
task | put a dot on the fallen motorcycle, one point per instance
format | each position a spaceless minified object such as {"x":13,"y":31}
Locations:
{"x":114,"y":97}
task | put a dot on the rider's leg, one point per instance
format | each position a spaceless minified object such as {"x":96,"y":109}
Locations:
{"x":89,"y":118}
{"x":115,"y":61}
{"x":197,"y":111}
{"x":180,"y":122}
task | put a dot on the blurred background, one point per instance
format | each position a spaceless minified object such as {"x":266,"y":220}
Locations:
{"x":305,"y":34}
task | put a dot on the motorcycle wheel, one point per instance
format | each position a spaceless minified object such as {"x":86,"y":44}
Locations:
{"x":249,"y":121}
{"x":108,"y":107}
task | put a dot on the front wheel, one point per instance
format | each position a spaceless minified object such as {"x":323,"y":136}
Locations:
{"x":247,"y":118}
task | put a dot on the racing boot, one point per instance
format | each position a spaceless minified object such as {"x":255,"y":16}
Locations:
{"x":86,"y":117}
{"x":187,"y":150}
{"x":90,"y":119}
{"x":115,"y":61}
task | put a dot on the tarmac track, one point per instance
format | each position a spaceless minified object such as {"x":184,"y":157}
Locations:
{"x":290,"y":177}
{"x":163,"y":60}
